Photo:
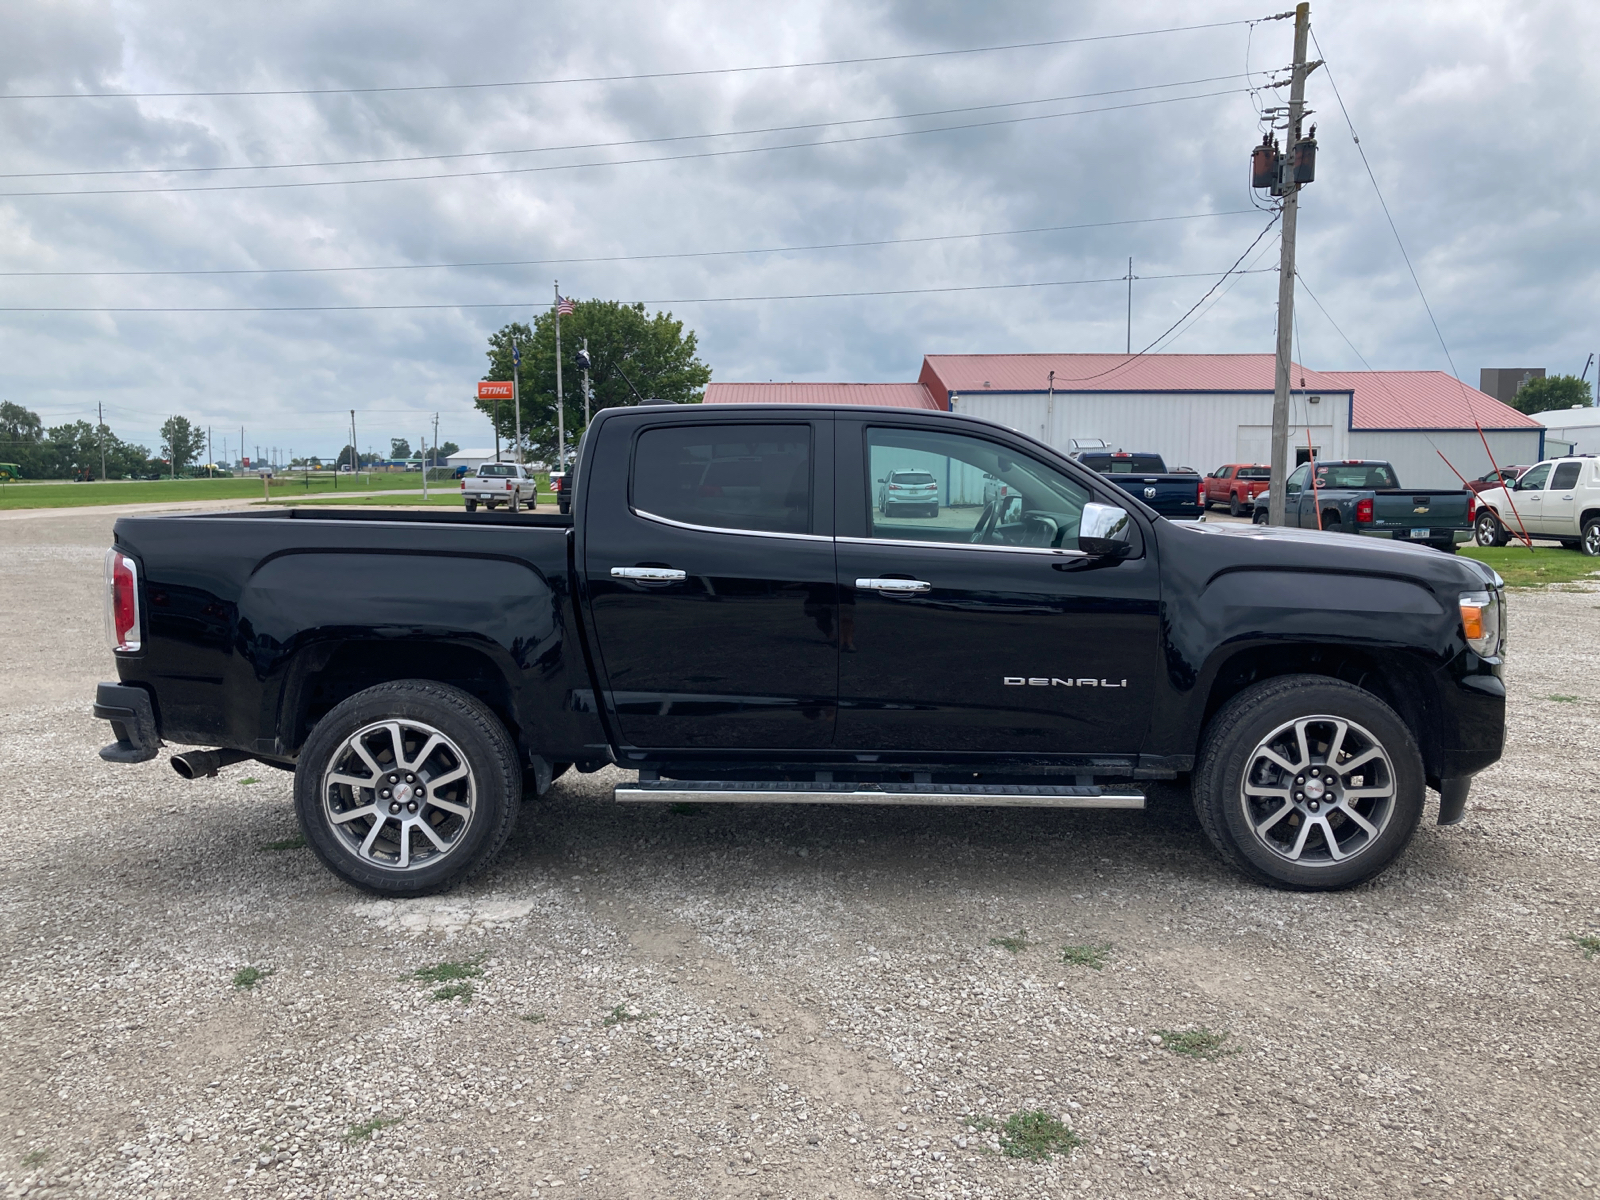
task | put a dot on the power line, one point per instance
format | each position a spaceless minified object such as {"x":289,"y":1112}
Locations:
{"x":621,"y":162}
{"x":683,"y":137}
{"x":974,"y":287}
{"x":685,"y":74}
{"x":614,"y":258}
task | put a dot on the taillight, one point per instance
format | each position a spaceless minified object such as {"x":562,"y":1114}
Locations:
{"x":1200,"y":493}
{"x":1364,"y":512}
{"x":1472,"y":507}
{"x":122,"y":601}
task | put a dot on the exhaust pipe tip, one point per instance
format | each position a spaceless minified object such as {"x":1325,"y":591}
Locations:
{"x":202,"y":764}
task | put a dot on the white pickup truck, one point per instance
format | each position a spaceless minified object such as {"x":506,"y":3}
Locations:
{"x":1559,"y":498}
{"x":494,"y":484}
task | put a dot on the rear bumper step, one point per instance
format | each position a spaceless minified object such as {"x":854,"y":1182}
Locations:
{"x":958,"y":794}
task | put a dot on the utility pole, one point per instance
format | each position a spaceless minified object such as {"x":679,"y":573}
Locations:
{"x":1290,"y":178}
{"x":101,"y":409}
{"x":1128,"y":346}
{"x":435,"y":447}
{"x":241,"y":449}
{"x":355,"y":455}
{"x":561,"y":408}
{"x":516,"y":398}
{"x":211,"y":456}
{"x":424,"y":448}
{"x":588,"y":393}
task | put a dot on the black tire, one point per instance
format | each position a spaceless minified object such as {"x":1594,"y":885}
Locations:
{"x":1487,"y":530}
{"x":472,"y":736}
{"x":1232,"y":746}
{"x":1259,"y":516}
{"x":1233,"y":504}
{"x":514,"y":502}
{"x":472,"y":506}
{"x":1590,"y":547}
{"x":1572,"y":543}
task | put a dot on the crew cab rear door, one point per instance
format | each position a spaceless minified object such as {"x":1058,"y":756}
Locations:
{"x":981,"y":629}
{"x":707,"y":552}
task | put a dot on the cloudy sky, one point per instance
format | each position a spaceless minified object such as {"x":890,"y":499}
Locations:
{"x":1476,"y":118}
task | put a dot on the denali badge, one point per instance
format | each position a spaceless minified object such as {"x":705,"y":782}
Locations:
{"x":1052,"y":681}
{"x":1149,"y":493}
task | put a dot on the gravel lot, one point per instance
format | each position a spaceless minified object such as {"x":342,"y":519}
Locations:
{"x":792,"y":1002}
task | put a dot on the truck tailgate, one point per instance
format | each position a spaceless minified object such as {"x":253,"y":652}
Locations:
{"x":1420,"y":510}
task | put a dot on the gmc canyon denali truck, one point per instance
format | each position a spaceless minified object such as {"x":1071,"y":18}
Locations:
{"x":776,"y":638}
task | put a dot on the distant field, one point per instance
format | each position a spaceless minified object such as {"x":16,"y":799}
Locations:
{"x":56,"y":494}
{"x":1522,"y":567}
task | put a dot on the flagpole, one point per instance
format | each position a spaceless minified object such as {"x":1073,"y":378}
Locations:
{"x":561,"y":408}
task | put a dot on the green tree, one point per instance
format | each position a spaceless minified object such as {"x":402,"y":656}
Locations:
{"x":22,"y":441}
{"x":347,"y":457}
{"x":655,"y":352}
{"x":182,"y":443}
{"x":446,"y":449}
{"x":399,"y":448}
{"x":1554,"y":391}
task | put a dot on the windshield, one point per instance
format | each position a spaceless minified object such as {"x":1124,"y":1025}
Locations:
{"x":497,"y":471}
{"x":1255,"y":473}
{"x":1124,"y":464}
{"x":1358,"y":475}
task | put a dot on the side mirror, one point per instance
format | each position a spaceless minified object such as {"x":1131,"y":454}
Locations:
{"x":1105,"y":531}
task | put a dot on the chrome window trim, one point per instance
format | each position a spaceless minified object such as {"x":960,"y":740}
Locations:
{"x":766,"y":533}
{"x":1045,"y":550}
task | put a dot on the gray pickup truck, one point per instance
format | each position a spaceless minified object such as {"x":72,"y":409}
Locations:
{"x":1364,"y":496}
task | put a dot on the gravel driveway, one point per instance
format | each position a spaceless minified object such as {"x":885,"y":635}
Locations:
{"x":778,"y":1002}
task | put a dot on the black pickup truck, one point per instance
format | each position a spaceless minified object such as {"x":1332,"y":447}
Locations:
{"x":781,"y":640}
{"x":1364,"y":496}
{"x":1176,"y":495}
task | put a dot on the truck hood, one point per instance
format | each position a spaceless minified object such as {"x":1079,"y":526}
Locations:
{"x":1311,"y":549}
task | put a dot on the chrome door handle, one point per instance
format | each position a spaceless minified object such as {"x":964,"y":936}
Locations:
{"x":649,"y":574}
{"x":895,"y":587}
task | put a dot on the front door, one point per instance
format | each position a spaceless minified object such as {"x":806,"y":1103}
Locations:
{"x":973,"y":625}
{"x":708,"y":552}
{"x":1299,"y":504}
{"x":1527,"y":501}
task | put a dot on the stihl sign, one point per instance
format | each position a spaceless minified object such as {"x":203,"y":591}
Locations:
{"x":494,"y":389}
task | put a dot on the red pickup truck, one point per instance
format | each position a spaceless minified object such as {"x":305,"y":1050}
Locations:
{"x":1237,"y":485}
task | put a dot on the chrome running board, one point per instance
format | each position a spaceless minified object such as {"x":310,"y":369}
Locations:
{"x":964,"y":794}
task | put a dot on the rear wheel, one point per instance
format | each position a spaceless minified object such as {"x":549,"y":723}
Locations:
{"x":1487,"y":530}
{"x":472,"y":506}
{"x":407,"y":788}
{"x":1591,"y":537}
{"x":1308,"y":782}
{"x":1259,"y":516}
{"x":513,"y":502}
{"x":1233,"y":504}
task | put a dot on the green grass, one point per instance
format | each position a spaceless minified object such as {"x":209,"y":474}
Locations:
{"x":1521,"y":567}
{"x":1033,"y":1135}
{"x":246,"y":978}
{"x":620,"y":1013}
{"x":363,"y":1131}
{"x":531,"y":1018}
{"x":248,"y":780}
{"x":1016,"y":943}
{"x":1589,"y":945}
{"x":1086,"y":956}
{"x":59,"y":494}
{"x":1566,"y":699}
{"x":448,"y":972}
{"x":34,"y":1158}
{"x":1198,"y":1042}
{"x":463,"y":991}
{"x":297,"y":842}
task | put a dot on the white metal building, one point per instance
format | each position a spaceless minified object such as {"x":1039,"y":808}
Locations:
{"x":1571,"y":431}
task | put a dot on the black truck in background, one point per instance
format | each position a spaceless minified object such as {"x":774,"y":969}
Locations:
{"x":1176,"y":495}
{"x":780,"y":639}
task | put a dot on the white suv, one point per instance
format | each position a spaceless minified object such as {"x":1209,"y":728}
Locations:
{"x":1559,"y":498}
{"x":497,"y":483}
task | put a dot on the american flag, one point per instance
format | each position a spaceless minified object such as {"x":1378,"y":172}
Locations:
{"x":563,"y":306}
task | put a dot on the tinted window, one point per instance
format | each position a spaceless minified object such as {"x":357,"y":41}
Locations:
{"x":1124,"y":464}
{"x":1224,"y":473}
{"x":985,"y":493}
{"x":496,"y":471}
{"x":1566,"y":476}
{"x":728,"y":476}
{"x":1374,"y":475}
{"x":1255,"y":473}
{"x":1297,"y":481}
{"x":1534,"y":479}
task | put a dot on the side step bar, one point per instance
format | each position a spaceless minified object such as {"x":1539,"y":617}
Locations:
{"x":965,"y":794}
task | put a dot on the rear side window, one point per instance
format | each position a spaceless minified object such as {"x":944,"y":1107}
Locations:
{"x":1566,"y":476}
{"x":726,"y":476}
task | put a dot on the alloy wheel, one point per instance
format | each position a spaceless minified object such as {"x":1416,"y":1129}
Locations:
{"x":1318,"y":790}
{"x":399,"y":795}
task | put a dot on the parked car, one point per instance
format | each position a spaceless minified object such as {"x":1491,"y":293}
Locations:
{"x":494,"y":484}
{"x":786,"y":649}
{"x":1504,"y":476}
{"x":1176,"y":495}
{"x":1558,"y":498}
{"x":908,"y":489}
{"x":1237,"y":485}
{"x":1364,"y":496}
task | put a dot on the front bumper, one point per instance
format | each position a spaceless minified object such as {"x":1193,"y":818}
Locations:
{"x":133,"y":721}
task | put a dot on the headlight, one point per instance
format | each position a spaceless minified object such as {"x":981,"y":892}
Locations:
{"x":1482,"y":618}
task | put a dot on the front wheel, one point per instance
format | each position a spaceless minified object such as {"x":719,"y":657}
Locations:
{"x":407,"y":788}
{"x":1487,"y":530}
{"x":1308,"y":782}
{"x":1259,"y":516}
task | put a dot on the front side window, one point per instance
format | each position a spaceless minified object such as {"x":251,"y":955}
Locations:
{"x":1534,"y":479}
{"x":927,"y":486}
{"x":726,"y":476}
{"x":1297,"y":481}
{"x":1224,"y":473}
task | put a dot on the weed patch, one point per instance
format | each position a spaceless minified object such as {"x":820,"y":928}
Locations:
{"x":531,"y":1018}
{"x":297,"y":842}
{"x":1033,"y":1135}
{"x":249,"y":779}
{"x":1016,"y":943}
{"x":449,"y":972}
{"x":34,"y":1158}
{"x":1589,"y":945}
{"x":1566,"y":699}
{"x":1086,"y":956}
{"x":363,"y":1131}
{"x":1198,"y":1042}
{"x":622,"y":1013}
{"x":246,"y":978}
{"x":463,"y":991}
